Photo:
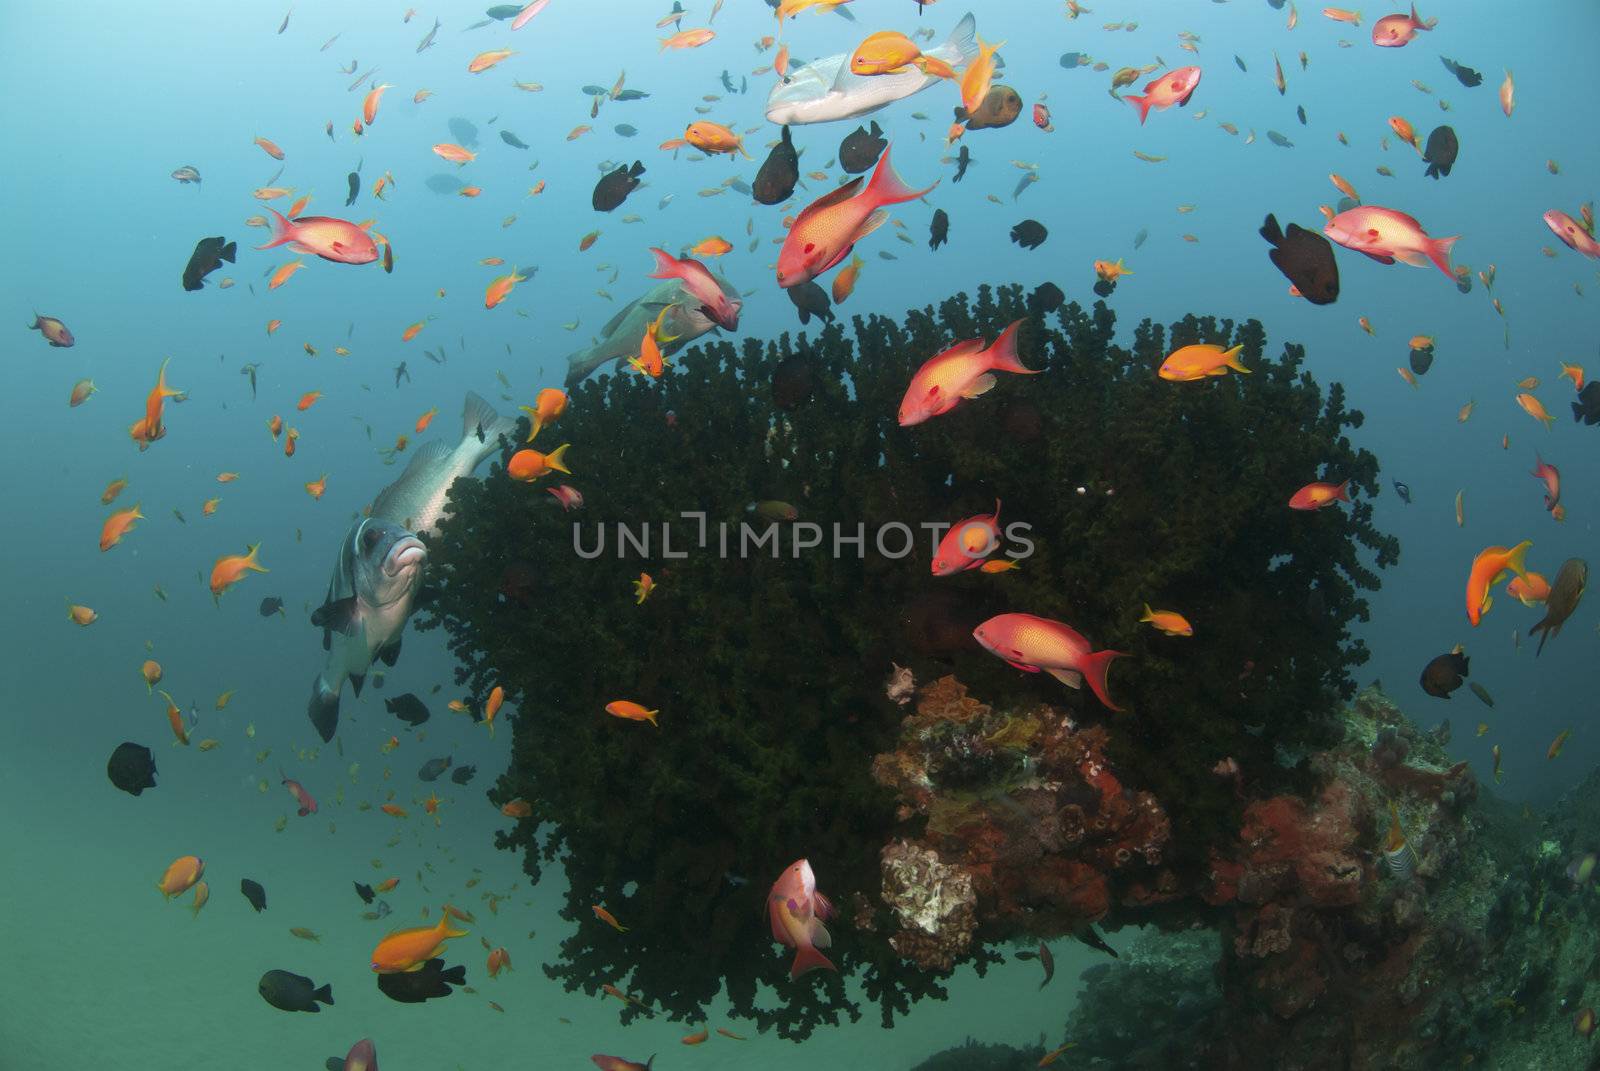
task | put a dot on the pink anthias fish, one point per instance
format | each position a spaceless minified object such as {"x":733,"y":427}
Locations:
{"x":1543,"y":470}
{"x":337,"y":240}
{"x":700,"y":284}
{"x":828,"y":228}
{"x":363,"y":1056}
{"x":1387,"y":235}
{"x":1573,"y":233}
{"x":968,"y":543}
{"x":527,"y":13}
{"x":301,"y":796}
{"x":797,"y":910}
{"x":965,"y":370}
{"x":570,"y":497}
{"x":1395,"y":31}
{"x":1174,"y":87}
{"x":1035,"y":644}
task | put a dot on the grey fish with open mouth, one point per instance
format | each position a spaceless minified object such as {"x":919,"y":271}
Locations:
{"x":379,"y":572}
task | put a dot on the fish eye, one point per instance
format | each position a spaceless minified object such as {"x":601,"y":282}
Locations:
{"x":369,"y":538}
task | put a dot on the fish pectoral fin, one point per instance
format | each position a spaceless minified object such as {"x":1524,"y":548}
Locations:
{"x":879,"y":217}
{"x":980,"y":386}
{"x":338,"y":615}
{"x":1070,"y":677}
{"x":820,"y":937}
{"x":1411,"y":257}
{"x":389,"y":655}
{"x":356,"y":681}
{"x":1022,"y":666}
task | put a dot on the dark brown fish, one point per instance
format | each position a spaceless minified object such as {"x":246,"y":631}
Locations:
{"x":1305,"y":259}
{"x":1565,"y":594}
{"x":999,"y":109}
{"x":614,"y":187}
{"x":1442,"y":675}
{"x":1441,"y":151}
{"x":861,"y":149}
{"x":779,"y":173}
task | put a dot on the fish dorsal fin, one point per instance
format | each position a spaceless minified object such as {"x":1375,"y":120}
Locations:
{"x":838,"y":196}
{"x":616,"y":321}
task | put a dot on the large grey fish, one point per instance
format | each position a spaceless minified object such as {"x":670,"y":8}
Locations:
{"x":381,"y":562}
{"x":825,"y":90}
{"x":621,"y":335}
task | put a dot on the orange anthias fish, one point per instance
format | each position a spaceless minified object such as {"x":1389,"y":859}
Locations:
{"x":608,"y":918}
{"x":1320,"y":495}
{"x":281,"y":276}
{"x":714,"y":246}
{"x":642,"y":588}
{"x":308,"y":399}
{"x":413,"y":331}
{"x":978,"y":77}
{"x":617,"y":1063}
{"x":1535,"y":408}
{"x":1535,"y":589}
{"x":1168,"y":621}
{"x":484,"y":60}
{"x":181,"y":875}
{"x":826,"y":230}
{"x":151,"y":672}
{"x":1557,"y":744}
{"x":316,"y":488}
{"x":650,"y":361}
{"x":528,"y":465}
{"x":425,"y":419}
{"x":497,"y":696}
{"x":231,"y":568}
{"x":628,"y":710}
{"x":118,"y":525}
{"x":113,"y":489}
{"x":687,"y":39}
{"x":1573,"y":372}
{"x":1109,"y":272}
{"x":269,"y":148}
{"x":797,"y":911}
{"x":1339,"y":14}
{"x":1488,"y":567}
{"x":500,"y":288}
{"x":518,"y":808}
{"x":499,"y":959}
{"x":453,"y":153}
{"x":151,"y":428}
{"x":714,"y":138}
{"x":1189,"y":364}
{"x":844,"y":284}
{"x":394,"y":810}
{"x":887,"y":52}
{"x":180,"y":731}
{"x":369,"y":105}
{"x":546,"y":409}
{"x":408,"y":950}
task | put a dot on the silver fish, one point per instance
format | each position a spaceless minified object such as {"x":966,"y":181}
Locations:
{"x":620,"y":337}
{"x":825,"y":90}
{"x":381,"y":561}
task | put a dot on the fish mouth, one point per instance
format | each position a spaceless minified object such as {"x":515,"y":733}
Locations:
{"x":407,"y":552}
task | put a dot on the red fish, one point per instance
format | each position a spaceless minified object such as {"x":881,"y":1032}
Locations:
{"x":968,"y":543}
{"x":337,"y":240}
{"x":1551,"y":476}
{"x":701,"y":286}
{"x":569,"y":497}
{"x":797,"y":911}
{"x":1032,"y":644}
{"x":617,"y":1063}
{"x":301,"y":796}
{"x":965,"y":370}
{"x":1174,"y":87}
{"x":1386,"y":236}
{"x":827,"y":229}
{"x":1573,"y":233}
{"x":1396,"y":31}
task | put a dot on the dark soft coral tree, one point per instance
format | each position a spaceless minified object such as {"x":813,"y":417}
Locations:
{"x":769,"y":671}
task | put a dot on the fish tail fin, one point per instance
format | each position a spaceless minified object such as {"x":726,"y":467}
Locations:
{"x":1231,"y":359}
{"x":1003,"y":355}
{"x":961,"y":47}
{"x":252,"y":562}
{"x":651,"y":716}
{"x":161,"y":381}
{"x":887,"y":188}
{"x":283,"y":231}
{"x":136,"y":514}
{"x":1439,"y":253}
{"x":1094,"y":672}
{"x":323,"y":708}
{"x":1342,"y":492}
{"x":447,"y":930}
{"x":1271,"y":231}
{"x":1149,"y":614}
{"x":325,"y":994}
{"x":1141,"y":103}
{"x":1515,"y":560}
{"x":740,"y":146}
{"x":807,"y":958}
{"x":227,"y":252}
{"x":666,"y":265}
{"x":557,"y":459}
{"x":476,"y":413}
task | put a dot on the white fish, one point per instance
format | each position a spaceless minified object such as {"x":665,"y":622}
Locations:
{"x":825,"y":90}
